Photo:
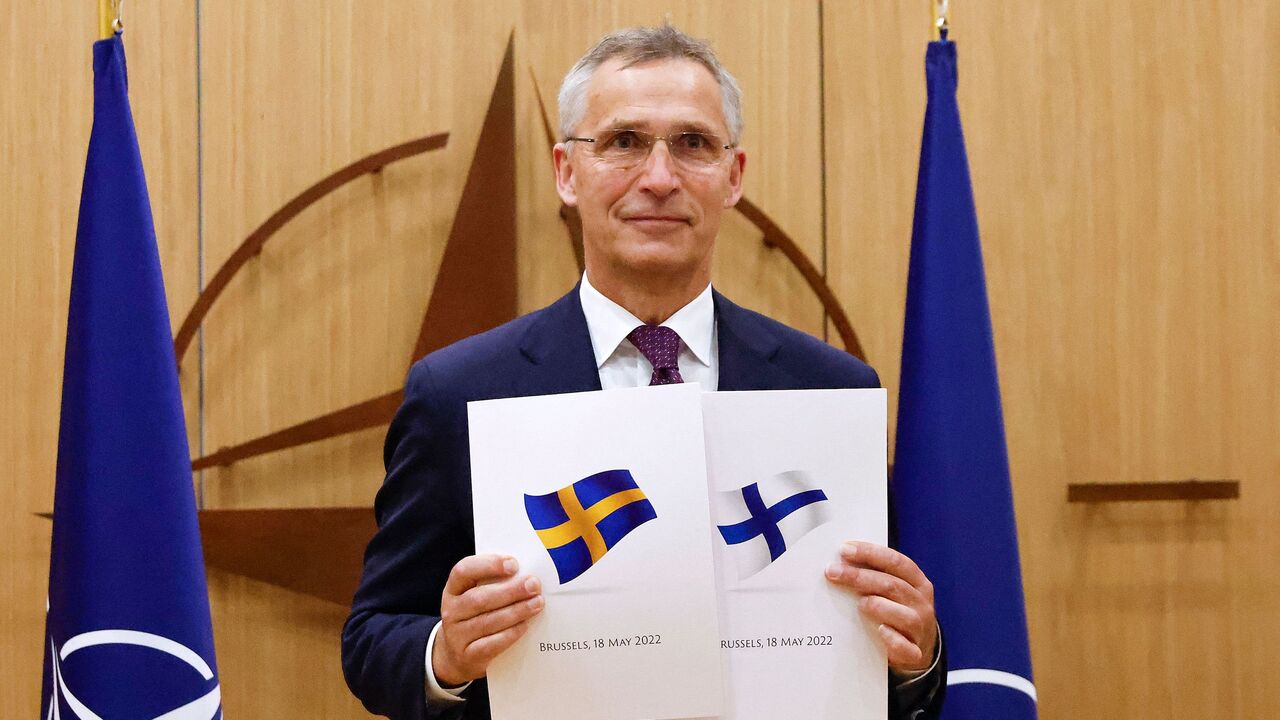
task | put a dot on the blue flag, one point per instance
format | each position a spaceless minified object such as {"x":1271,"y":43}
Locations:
{"x":951,"y":474}
{"x":128,"y":631}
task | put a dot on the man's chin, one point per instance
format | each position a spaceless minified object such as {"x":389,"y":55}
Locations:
{"x":658,"y":262}
{"x":673,"y":254}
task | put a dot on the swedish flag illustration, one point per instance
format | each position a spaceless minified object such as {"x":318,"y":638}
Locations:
{"x":579,"y":523}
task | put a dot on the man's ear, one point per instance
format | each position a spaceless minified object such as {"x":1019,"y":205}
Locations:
{"x":735,"y":177}
{"x":564,"y":175}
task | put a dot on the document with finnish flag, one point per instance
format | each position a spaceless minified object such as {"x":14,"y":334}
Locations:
{"x":792,"y":475}
{"x":603,"y":497}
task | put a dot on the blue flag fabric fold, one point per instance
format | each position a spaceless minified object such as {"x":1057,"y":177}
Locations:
{"x":951,"y":478}
{"x":128,"y":631}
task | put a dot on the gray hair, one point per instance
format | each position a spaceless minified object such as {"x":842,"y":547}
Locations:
{"x":640,"y":45}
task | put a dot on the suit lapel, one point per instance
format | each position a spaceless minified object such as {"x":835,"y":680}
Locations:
{"x":558,"y":348}
{"x":747,"y":350}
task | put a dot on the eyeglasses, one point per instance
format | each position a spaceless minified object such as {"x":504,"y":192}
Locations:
{"x":624,"y":149}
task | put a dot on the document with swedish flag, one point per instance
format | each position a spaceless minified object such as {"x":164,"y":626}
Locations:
{"x":602,"y":496}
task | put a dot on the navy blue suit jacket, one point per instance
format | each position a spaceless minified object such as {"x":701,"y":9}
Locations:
{"x":424,"y":506}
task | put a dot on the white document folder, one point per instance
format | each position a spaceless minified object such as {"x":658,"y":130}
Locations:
{"x":630,"y":630}
{"x":792,"y":475}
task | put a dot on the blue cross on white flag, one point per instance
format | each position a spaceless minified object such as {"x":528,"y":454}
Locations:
{"x":761,"y":520}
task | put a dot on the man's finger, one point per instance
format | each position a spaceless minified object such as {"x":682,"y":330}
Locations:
{"x":495,"y":621}
{"x":484,"y":649}
{"x":484,"y":598}
{"x":475,"y":569}
{"x":902,"y":653}
{"x":874,"y":582}
{"x":905,"y":620}
{"x":884,"y":559}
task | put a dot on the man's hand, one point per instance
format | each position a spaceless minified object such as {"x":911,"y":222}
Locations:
{"x":485,"y":608}
{"x":897,"y":595}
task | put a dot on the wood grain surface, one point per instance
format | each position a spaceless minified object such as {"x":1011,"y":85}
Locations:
{"x":1124,"y":164}
{"x":1124,"y":159}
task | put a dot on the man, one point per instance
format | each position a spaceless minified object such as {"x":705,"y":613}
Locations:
{"x":650,"y":159}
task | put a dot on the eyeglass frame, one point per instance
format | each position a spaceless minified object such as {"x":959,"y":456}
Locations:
{"x":665,"y":138}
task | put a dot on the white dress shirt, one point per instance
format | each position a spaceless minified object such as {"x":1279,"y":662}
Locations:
{"x":621,"y":365}
{"x":619,"y":362}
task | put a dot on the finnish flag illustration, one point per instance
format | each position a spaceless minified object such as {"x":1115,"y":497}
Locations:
{"x":761,"y":520}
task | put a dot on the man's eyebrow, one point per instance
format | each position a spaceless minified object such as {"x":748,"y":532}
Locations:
{"x":695,"y":127}
{"x":624,"y":124}
{"x":679,"y":127}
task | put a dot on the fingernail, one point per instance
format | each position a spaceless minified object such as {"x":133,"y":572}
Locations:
{"x":536,"y":603}
{"x":833,"y":570}
{"x":509,"y":565}
{"x":532,"y":585}
{"x":850,"y":550}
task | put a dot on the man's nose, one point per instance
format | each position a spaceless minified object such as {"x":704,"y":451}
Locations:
{"x":658,"y":171}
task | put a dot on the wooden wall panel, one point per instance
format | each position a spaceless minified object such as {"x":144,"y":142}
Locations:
{"x":1123,"y":161}
{"x":278,"y":652}
{"x":328,"y":314}
{"x":46,"y":108}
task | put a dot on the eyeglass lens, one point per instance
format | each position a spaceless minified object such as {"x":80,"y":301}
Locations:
{"x":627,"y":148}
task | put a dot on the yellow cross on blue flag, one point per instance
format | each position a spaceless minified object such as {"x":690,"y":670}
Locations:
{"x":579,"y":523}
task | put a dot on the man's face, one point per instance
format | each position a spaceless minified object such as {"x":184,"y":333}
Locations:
{"x":661,"y":217}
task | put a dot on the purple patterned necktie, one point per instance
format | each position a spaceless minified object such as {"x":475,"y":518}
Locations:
{"x":661,"y":347}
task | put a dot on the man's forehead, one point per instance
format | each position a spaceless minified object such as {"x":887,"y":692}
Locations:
{"x":676,"y":93}
{"x":640,"y":121}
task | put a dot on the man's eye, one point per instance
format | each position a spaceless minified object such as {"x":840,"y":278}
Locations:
{"x":694,"y":141}
{"x":625,"y":140}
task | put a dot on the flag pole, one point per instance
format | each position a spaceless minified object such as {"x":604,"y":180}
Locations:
{"x":108,"y":18}
{"x":941,"y":18}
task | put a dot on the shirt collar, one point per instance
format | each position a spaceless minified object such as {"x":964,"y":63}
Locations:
{"x":609,"y":323}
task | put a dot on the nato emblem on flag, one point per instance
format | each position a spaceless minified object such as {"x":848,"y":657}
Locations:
{"x":579,"y":523}
{"x":759,"y":521}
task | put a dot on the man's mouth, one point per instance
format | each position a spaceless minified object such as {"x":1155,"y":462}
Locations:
{"x":656,"y":220}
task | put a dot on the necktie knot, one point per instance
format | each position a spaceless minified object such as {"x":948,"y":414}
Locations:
{"x":661,"y":347}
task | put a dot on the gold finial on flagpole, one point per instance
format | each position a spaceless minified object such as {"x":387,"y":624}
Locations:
{"x":941,"y":18}
{"x":109,"y":22}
